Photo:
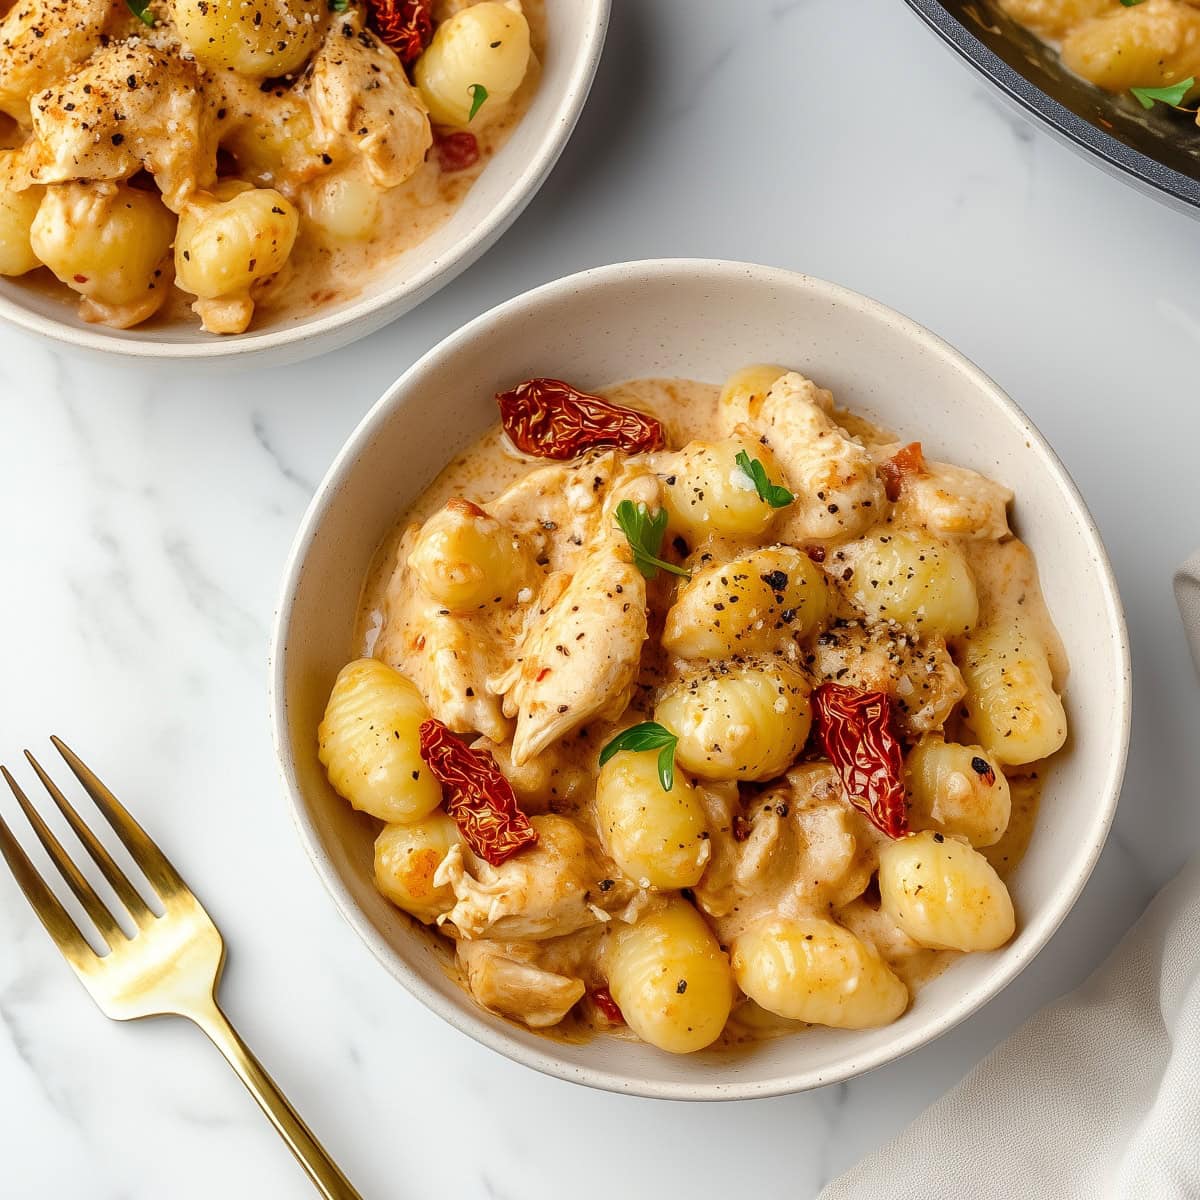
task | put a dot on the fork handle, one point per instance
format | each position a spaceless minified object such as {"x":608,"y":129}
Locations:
{"x":321,"y":1169}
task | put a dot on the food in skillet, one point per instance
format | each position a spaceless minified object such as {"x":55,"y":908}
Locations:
{"x":1148,"y":47}
{"x":243,"y":155}
{"x":700,"y":713}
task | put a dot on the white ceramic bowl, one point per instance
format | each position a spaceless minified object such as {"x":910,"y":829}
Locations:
{"x":702,"y":319}
{"x":574,"y":40}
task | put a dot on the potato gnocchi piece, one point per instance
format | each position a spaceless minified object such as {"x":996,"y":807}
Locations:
{"x":485,"y":46}
{"x":739,"y":720}
{"x":708,"y":494}
{"x":108,"y":242}
{"x":259,"y":38}
{"x":17,"y":211}
{"x":813,"y":970}
{"x":909,"y":578}
{"x":670,"y":978}
{"x":466,"y":559}
{"x":659,"y":839}
{"x":745,"y":390}
{"x":369,"y":746}
{"x":1152,"y":44}
{"x":229,"y":242}
{"x":748,"y":606}
{"x":406,"y":859}
{"x":1053,"y":18}
{"x":1012,"y":706}
{"x":958,"y":790}
{"x":944,"y":894}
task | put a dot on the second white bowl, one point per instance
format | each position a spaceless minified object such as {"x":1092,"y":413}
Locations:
{"x":702,"y":319}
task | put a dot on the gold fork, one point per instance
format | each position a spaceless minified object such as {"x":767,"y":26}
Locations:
{"x":172,"y":963}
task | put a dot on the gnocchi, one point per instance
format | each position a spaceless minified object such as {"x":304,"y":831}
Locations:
{"x":944,"y":894}
{"x":753,"y":781}
{"x":743,"y":720}
{"x":814,"y":970}
{"x":17,"y":213}
{"x":657,"y":837}
{"x":368,"y":743}
{"x":670,"y":979}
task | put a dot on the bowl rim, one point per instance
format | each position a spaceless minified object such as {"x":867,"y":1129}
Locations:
{"x":475,"y":1024}
{"x":1148,"y":173}
{"x":370,"y":313}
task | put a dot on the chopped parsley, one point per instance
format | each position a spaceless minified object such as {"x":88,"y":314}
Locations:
{"x":141,"y":10}
{"x":776,"y":495}
{"x":478,"y":95}
{"x":649,"y":735}
{"x":1172,"y":95}
{"x":645,"y":534}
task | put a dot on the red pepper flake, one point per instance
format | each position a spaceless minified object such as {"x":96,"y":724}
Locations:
{"x":477,"y":795}
{"x":907,"y":461}
{"x":856,"y":729}
{"x":550,"y":419}
{"x":816,"y":553}
{"x":404,"y":25}
{"x":741,"y":828}
{"x":80,"y":278}
{"x":456,"y":151}
{"x":602,"y":999}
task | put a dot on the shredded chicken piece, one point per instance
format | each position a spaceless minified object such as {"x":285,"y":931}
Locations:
{"x":42,"y":41}
{"x":949,"y":500}
{"x":580,"y":657}
{"x":129,"y":107}
{"x":917,"y":672}
{"x":362,"y":102}
{"x":505,"y":977}
{"x":838,"y":493}
{"x":543,"y":892}
{"x":804,"y":849}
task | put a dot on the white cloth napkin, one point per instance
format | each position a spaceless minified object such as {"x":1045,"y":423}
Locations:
{"x":1096,"y":1097}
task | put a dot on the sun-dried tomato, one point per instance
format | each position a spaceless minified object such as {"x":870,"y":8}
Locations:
{"x":907,"y":461}
{"x":477,"y":795}
{"x":551,"y":419}
{"x":602,"y":999}
{"x":456,"y":151}
{"x":857,"y":731}
{"x":404,"y":25}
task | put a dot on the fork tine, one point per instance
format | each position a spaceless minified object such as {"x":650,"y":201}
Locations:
{"x":110,"y":931}
{"x":152,"y":861}
{"x":45,"y":903}
{"x":138,"y":909}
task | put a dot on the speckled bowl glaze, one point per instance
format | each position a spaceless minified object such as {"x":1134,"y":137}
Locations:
{"x":701,"y":319}
{"x":575,"y":38}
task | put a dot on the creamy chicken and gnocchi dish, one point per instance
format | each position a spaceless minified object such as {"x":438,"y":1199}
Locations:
{"x":700,"y":714}
{"x":243,"y":156}
{"x":1148,"y":47}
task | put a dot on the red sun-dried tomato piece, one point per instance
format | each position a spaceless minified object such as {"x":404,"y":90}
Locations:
{"x":550,"y":419}
{"x":603,"y":1000}
{"x":476,"y":794}
{"x":857,"y":730}
{"x":405,"y":26}
{"x":456,"y":151}
{"x":909,"y":460}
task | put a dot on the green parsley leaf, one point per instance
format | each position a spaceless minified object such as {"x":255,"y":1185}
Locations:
{"x":1172,"y":95}
{"x":649,"y":735}
{"x":478,"y":95}
{"x":645,"y":534}
{"x":1130,"y":3}
{"x":776,"y":495}
{"x":141,"y":10}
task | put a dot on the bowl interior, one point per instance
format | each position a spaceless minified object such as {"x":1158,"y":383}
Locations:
{"x":574,"y":38}
{"x":702,"y":320}
{"x":1159,"y":148}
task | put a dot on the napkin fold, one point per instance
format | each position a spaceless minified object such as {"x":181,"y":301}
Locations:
{"x":1096,"y":1097}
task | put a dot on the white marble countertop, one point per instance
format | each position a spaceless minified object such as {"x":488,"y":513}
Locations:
{"x":146,"y":520}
